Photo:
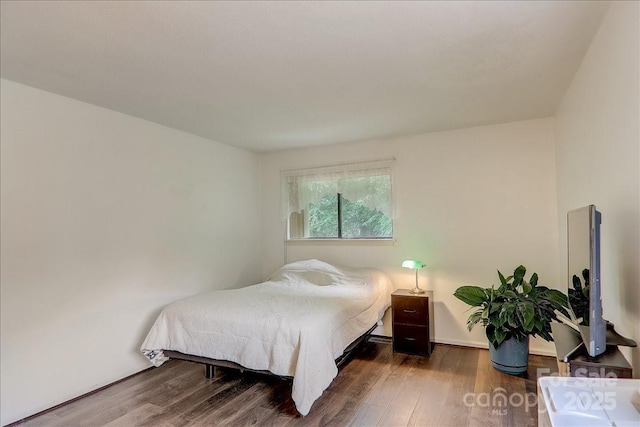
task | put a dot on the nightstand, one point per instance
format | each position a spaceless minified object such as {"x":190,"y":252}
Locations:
{"x":412,"y":322}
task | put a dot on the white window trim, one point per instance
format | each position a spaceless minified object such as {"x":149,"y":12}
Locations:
{"x":374,"y":241}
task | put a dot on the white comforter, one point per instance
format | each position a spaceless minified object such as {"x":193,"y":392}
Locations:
{"x":296,"y":324}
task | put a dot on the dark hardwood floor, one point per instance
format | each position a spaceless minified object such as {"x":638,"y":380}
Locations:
{"x":456,"y":386}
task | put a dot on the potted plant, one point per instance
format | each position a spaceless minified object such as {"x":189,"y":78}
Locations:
{"x":510,"y":314}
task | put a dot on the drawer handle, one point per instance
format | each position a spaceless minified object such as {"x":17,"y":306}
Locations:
{"x":409,"y":311}
{"x":410,"y":339}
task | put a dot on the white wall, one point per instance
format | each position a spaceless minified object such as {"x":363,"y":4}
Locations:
{"x":468,"y":202}
{"x":106,"y":218}
{"x":598,"y":160}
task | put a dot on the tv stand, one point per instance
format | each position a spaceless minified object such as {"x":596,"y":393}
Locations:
{"x":574,"y":361}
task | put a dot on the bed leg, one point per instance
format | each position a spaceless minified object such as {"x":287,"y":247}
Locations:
{"x":209,"y":372}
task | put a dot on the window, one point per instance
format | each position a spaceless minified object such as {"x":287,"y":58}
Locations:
{"x":351,"y":201}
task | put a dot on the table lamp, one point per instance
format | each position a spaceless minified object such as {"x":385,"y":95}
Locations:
{"x":411,"y":263}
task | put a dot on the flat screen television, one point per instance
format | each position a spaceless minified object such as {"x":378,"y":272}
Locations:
{"x":584,"y":292}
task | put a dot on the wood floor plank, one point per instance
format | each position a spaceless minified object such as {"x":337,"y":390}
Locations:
{"x":206,"y":408}
{"x":515,"y":398}
{"x":382,"y":358}
{"x":280,"y":406}
{"x":224,"y":414}
{"x":376,"y":388}
{"x":460,"y":366}
{"x":79,"y":412}
{"x":368,"y":415}
{"x":205,"y":389}
{"x":135,"y":417}
{"x":131,"y":386}
{"x":414,"y":384}
{"x":483,"y":411}
{"x":48,"y":419}
{"x":98,"y":411}
{"x":434,"y":393}
{"x":420,"y":381}
{"x":386,"y":386}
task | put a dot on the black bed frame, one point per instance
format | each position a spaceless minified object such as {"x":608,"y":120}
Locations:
{"x":211,"y":365}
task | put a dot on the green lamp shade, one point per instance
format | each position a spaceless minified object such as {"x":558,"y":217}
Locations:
{"x":412,"y":263}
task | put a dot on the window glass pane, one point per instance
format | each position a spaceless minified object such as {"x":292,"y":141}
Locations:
{"x":323,"y":217}
{"x":366,"y":205}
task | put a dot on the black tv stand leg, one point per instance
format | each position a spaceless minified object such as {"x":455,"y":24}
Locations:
{"x":614,"y":338}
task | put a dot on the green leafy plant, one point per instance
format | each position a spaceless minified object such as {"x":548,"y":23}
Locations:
{"x":516,"y":309}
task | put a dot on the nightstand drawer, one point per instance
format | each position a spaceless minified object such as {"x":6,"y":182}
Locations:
{"x":411,"y":339}
{"x":410,"y":310}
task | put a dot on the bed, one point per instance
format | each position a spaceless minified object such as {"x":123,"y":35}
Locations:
{"x":296,"y":324}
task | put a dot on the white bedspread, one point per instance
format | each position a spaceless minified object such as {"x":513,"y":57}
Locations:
{"x":296,"y":324}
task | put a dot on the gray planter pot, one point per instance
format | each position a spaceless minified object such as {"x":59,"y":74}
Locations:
{"x":511,"y":357}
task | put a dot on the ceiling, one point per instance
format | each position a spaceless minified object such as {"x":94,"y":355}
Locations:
{"x":277,"y":75}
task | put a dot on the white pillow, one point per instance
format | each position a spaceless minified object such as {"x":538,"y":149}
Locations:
{"x":315,"y":272}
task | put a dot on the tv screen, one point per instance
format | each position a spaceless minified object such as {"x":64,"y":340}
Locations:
{"x":584,"y":292}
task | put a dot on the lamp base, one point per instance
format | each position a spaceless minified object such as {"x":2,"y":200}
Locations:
{"x":416,"y":291}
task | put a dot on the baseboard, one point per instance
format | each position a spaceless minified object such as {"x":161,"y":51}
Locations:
{"x":485,"y":345}
{"x":471,"y":344}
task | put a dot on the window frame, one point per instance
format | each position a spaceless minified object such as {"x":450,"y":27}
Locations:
{"x":340,"y":171}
